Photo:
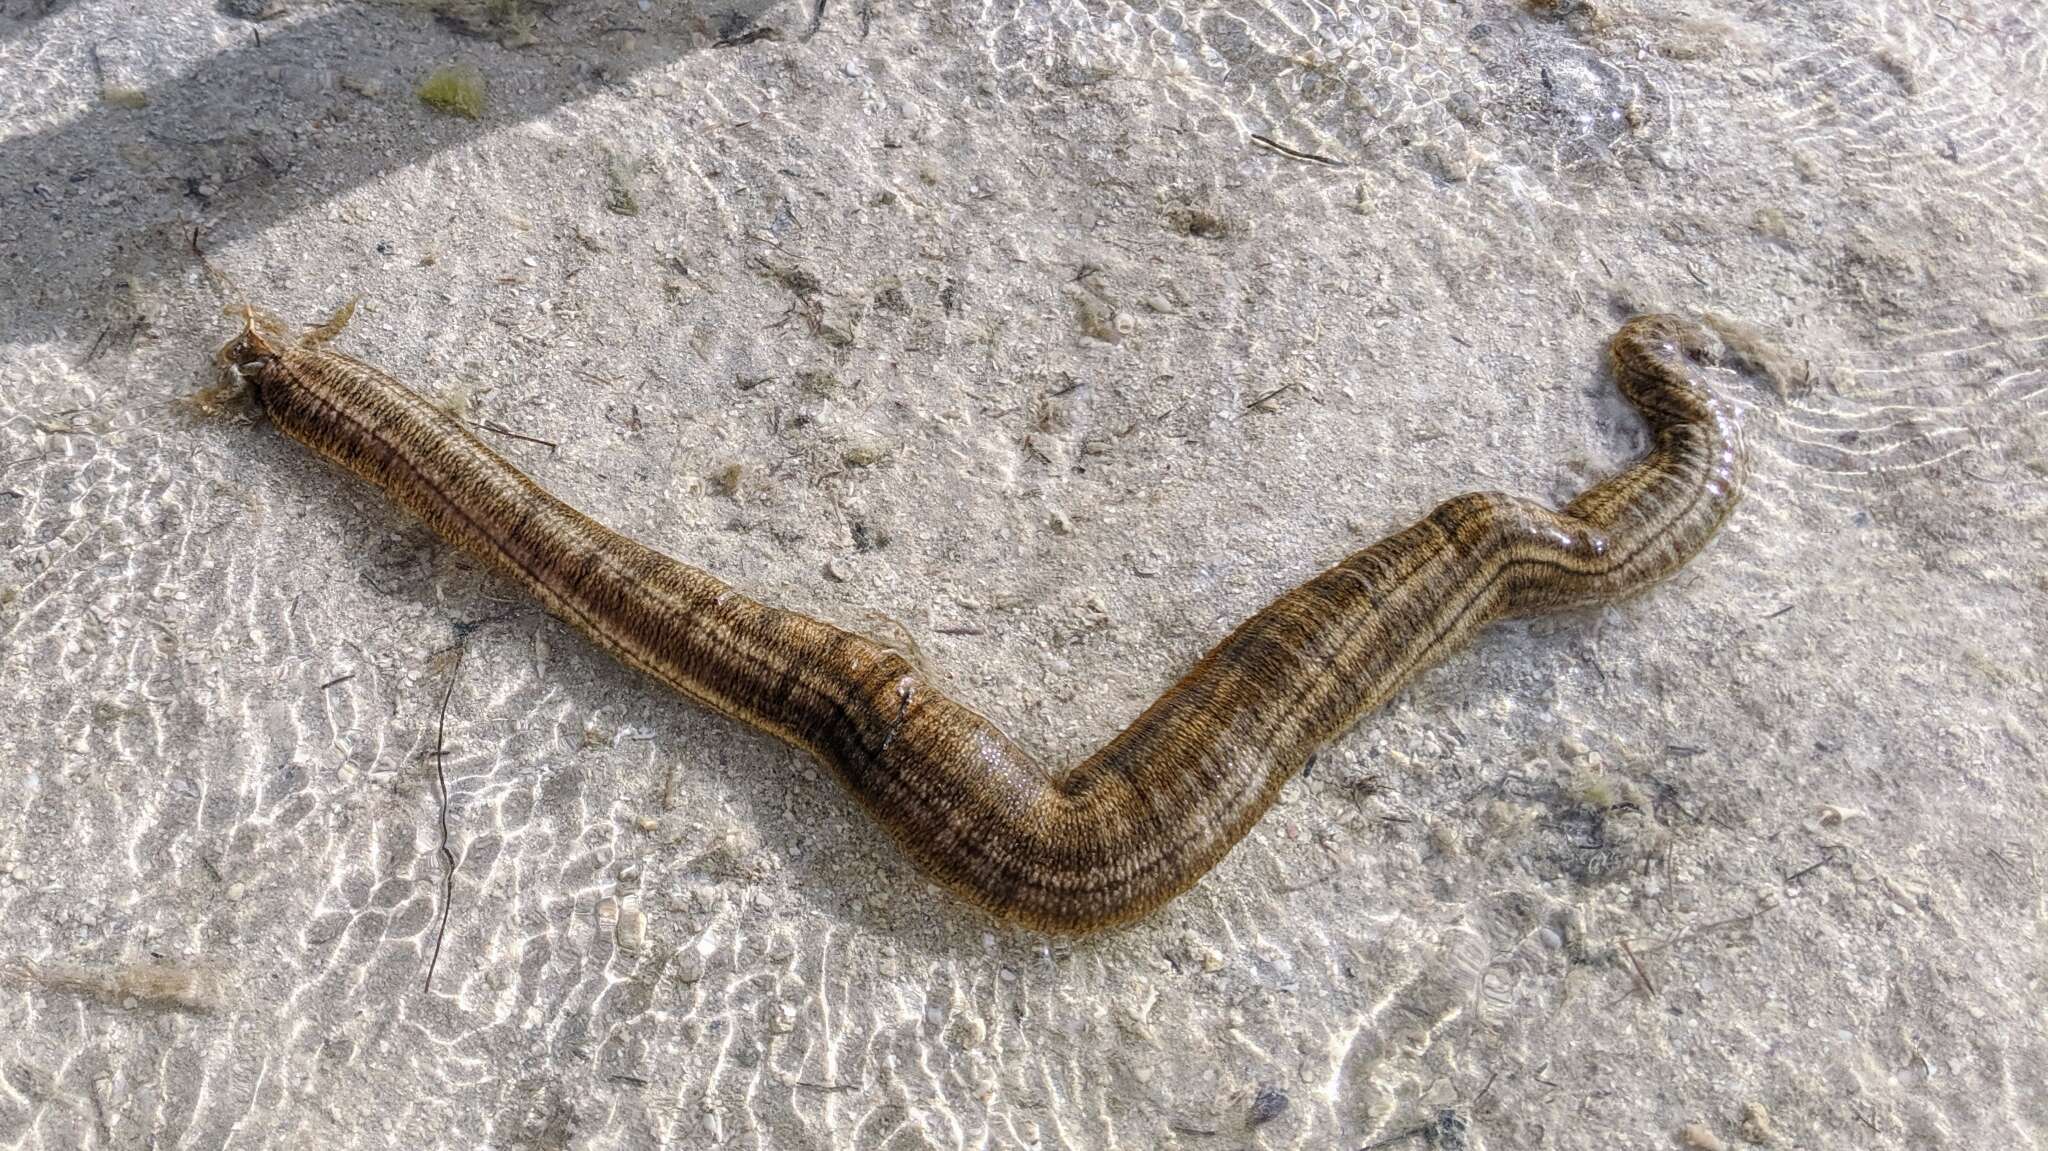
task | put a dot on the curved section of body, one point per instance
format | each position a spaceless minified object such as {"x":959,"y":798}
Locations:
{"x":1144,"y":818}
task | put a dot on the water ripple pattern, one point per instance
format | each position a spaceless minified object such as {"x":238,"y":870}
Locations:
{"x":1047,"y":338}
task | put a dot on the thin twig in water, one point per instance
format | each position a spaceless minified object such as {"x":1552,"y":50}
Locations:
{"x":826,"y":1086}
{"x":1730,"y":921}
{"x":489,"y":426}
{"x":1296,"y":153}
{"x":1255,"y":404}
{"x":464,"y":628}
{"x":337,"y":681}
{"x":1688,"y":931}
{"x":1827,"y":856}
{"x":441,"y":777}
{"x":1642,"y":977}
{"x":1488,"y":1087}
{"x":215,"y":276}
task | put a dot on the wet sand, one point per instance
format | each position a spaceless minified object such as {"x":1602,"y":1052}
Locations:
{"x":1048,"y":341}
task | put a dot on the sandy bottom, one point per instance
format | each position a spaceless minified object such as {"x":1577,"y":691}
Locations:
{"x":1051,"y":339}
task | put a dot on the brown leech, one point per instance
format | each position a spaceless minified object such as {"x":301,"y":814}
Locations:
{"x":1145,"y":817}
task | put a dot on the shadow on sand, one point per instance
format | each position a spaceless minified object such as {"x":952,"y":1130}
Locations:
{"x":112,"y":195}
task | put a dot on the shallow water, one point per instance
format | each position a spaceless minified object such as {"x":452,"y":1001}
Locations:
{"x":1127,"y":317}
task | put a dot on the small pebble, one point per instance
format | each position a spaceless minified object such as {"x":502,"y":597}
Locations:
{"x":235,"y":892}
{"x":1267,"y":1104}
{"x":1696,"y":1136}
{"x":631,"y":933}
{"x":1756,"y":1125}
{"x":866,"y":454}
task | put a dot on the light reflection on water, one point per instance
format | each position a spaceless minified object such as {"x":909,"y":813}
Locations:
{"x":196,"y":722}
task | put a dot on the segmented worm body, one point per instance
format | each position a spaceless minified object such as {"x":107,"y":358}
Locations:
{"x":1145,"y":817}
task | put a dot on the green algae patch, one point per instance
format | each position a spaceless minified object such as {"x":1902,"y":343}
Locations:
{"x":456,"y":91}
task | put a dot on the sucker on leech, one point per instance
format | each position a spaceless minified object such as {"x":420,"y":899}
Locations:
{"x":1145,"y":817}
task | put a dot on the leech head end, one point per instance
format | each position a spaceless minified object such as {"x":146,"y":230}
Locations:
{"x":1671,"y":337}
{"x":241,"y":360}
